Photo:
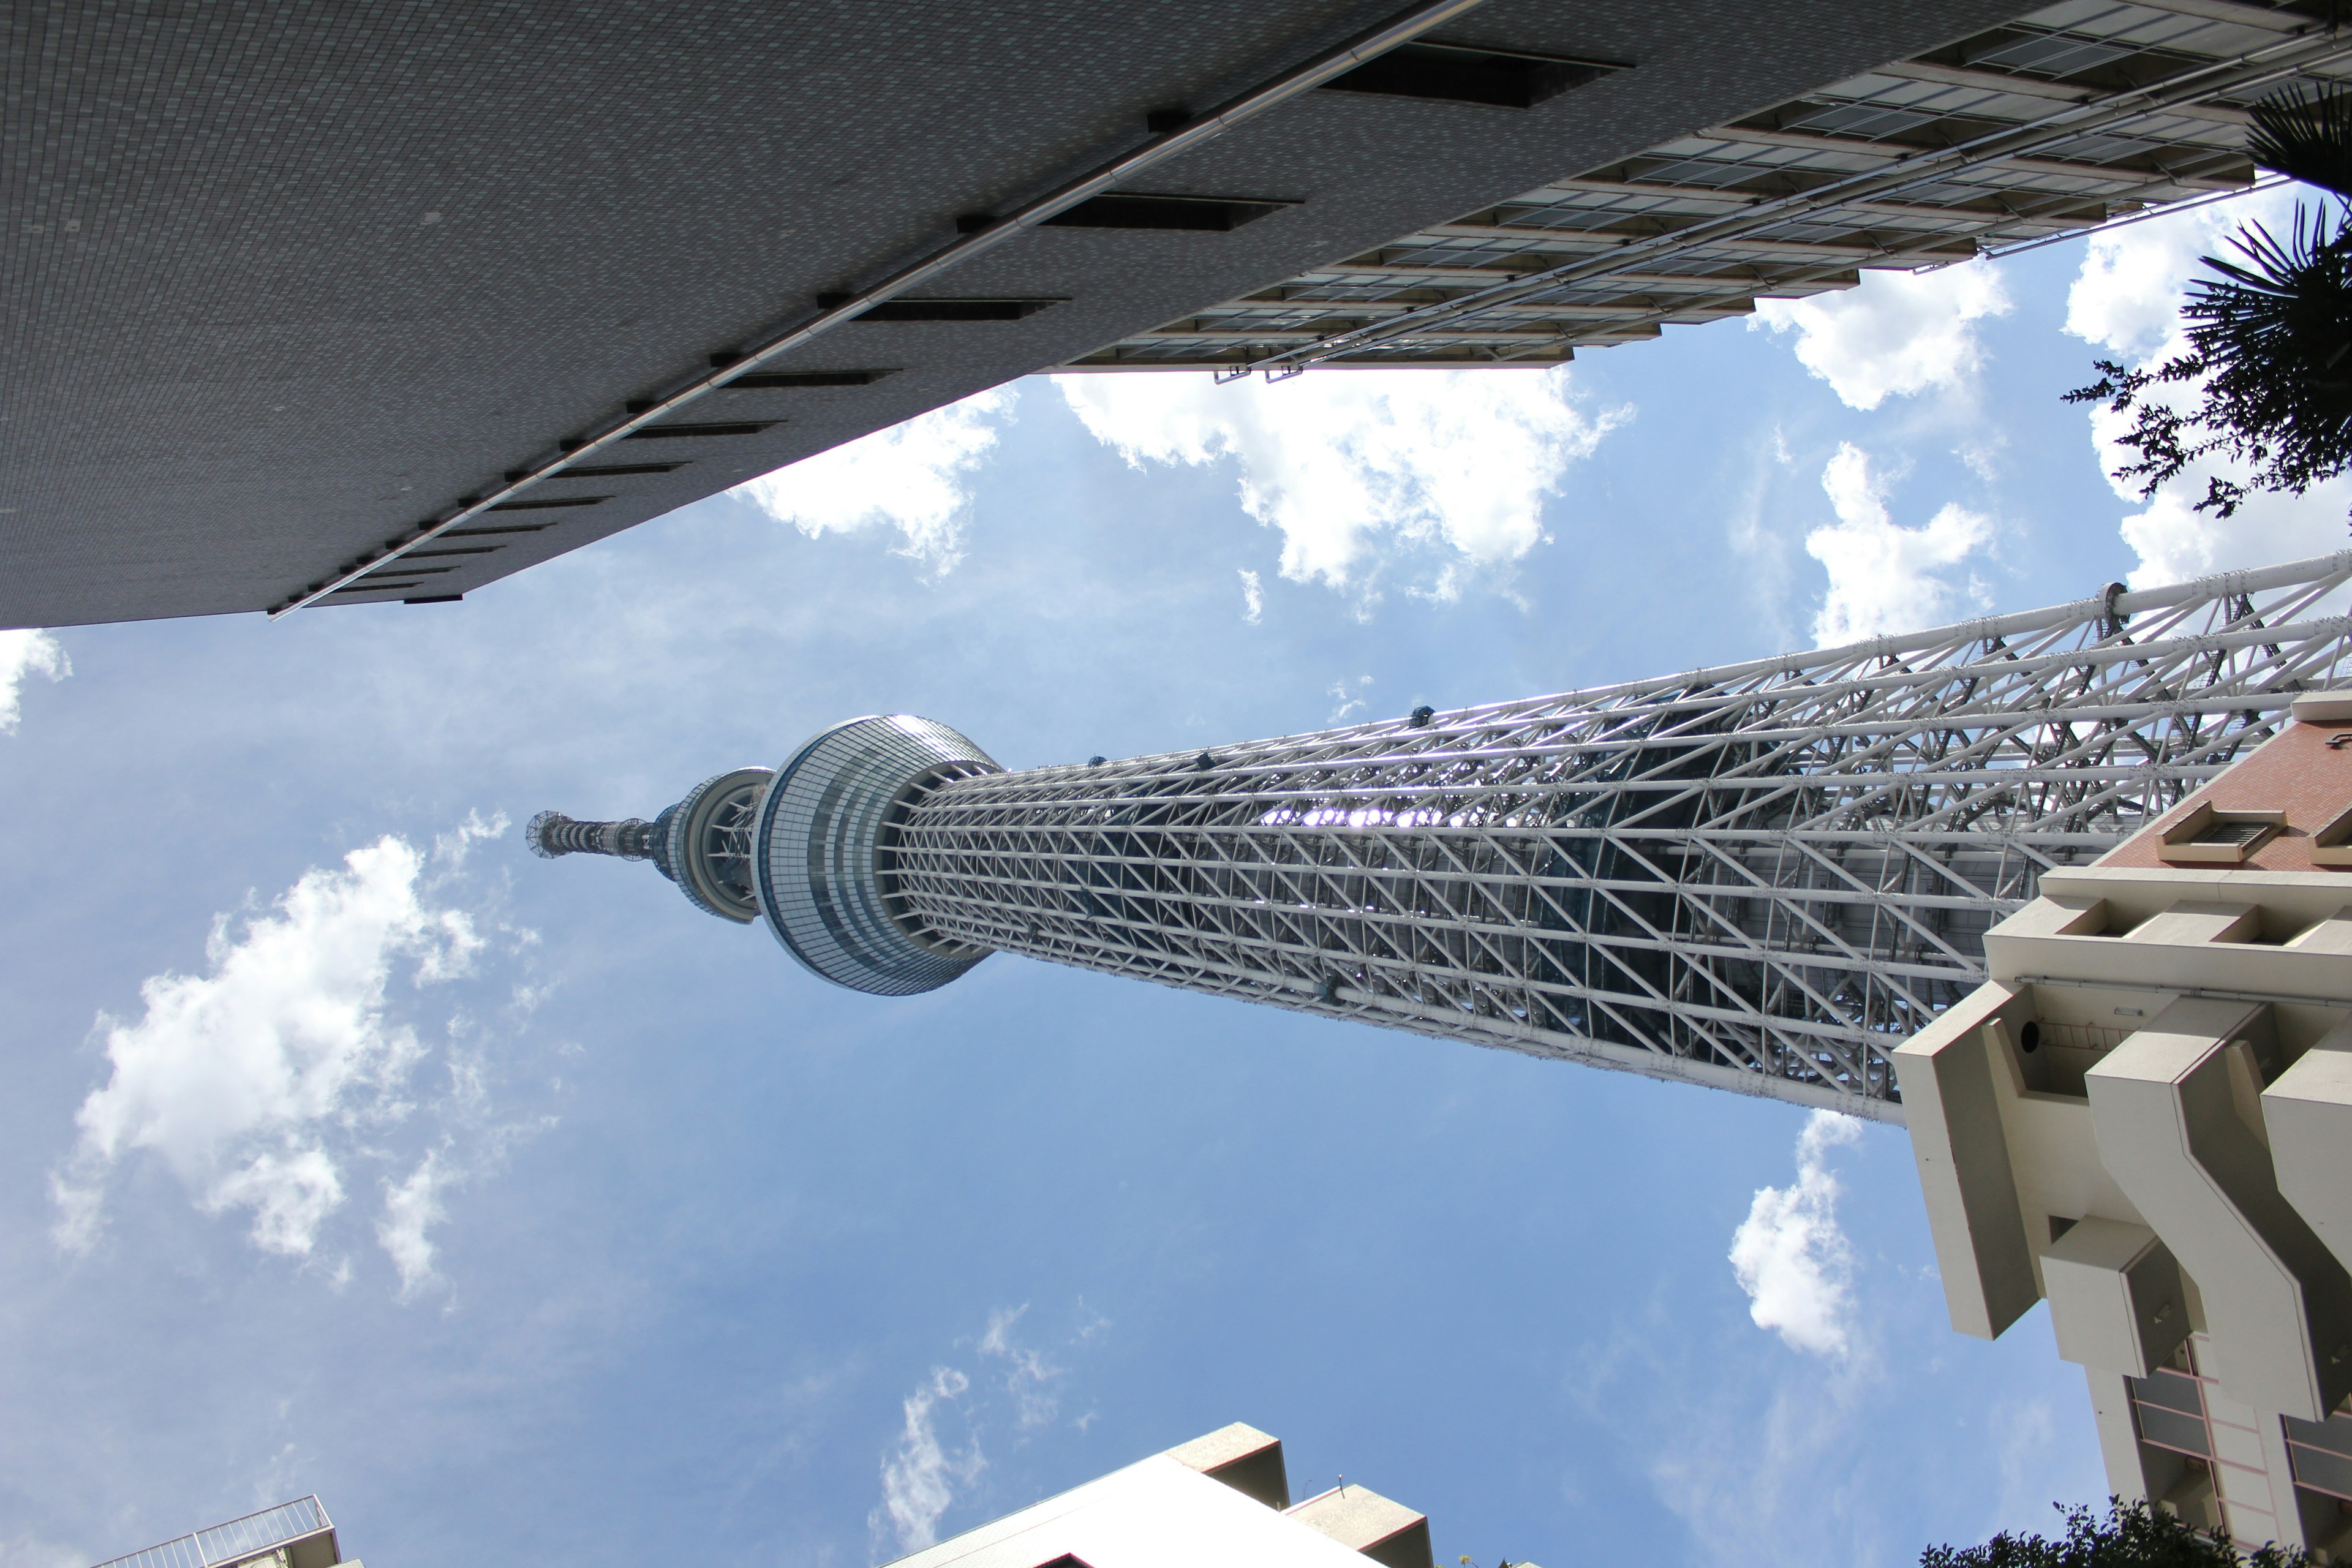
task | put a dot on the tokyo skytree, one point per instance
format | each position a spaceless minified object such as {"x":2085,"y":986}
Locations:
{"x":1763,"y":876}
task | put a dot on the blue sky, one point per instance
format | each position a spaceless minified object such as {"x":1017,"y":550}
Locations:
{"x":517,"y":1209}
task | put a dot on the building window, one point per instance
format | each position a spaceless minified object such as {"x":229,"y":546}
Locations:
{"x":2171,"y":1410}
{"x":555,"y":503}
{"x":794,"y":380}
{"x":1449,"y":73}
{"x":2321,"y":1453}
{"x":1202,"y":214}
{"x":905,"y":309}
{"x":721,"y":427}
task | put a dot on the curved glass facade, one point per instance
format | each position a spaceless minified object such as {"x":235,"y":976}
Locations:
{"x":825,"y":840}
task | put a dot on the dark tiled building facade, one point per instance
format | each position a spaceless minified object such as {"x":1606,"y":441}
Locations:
{"x":308,"y":304}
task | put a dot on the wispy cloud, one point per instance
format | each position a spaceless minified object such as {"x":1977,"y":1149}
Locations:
{"x":1777,"y":1484}
{"x":923,"y":1472}
{"x":1883,"y":577}
{"x":919,"y":1477}
{"x":1029,"y":1378}
{"x":1790,"y":1254}
{"x":914,"y":477}
{"x":34,"y":1552}
{"x":1349,"y":697}
{"x":1358,"y":469}
{"x":257,"y":1081}
{"x":1253,"y":596}
{"x":411,"y":1206}
{"x":24,"y":653}
{"x":1896,"y":334}
{"x":1767,"y":553}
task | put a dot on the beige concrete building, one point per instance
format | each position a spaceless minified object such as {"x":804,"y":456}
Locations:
{"x":1223,"y":1499}
{"x":2144,"y":1117}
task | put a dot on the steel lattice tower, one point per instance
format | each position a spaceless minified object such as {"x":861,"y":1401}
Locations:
{"x":1763,"y":876}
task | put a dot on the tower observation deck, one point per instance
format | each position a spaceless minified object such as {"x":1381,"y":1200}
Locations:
{"x":1763,"y":876}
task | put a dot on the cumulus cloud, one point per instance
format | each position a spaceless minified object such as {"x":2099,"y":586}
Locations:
{"x":257,"y":1081}
{"x":919,"y":1477}
{"x":24,"y":653}
{"x":1790,"y":1254}
{"x":914,"y":477}
{"x":1895,"y":335}
{"x":2126,"y":302}
{"x":1883,"y":577}
{"x":2127,"y":297}
{"x":1351,"y":465}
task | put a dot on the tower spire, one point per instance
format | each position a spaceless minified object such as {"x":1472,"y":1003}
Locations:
{"x":702,"y":844}
{"x":551,"y":834}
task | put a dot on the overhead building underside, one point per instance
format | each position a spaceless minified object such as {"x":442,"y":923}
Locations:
{"x":2064,"y":119}
{"x":373,"y":302}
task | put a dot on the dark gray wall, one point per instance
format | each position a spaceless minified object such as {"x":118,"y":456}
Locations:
{"x":283,"y":281}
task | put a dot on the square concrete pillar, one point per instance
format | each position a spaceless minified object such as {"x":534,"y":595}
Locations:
{"x":2308,"y":1110}
{"x":2116,"y":1300}
{"x":1953,"y":1108}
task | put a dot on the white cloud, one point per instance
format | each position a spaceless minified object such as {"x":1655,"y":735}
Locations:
{"x":451,"y":848}
{"x":923,"y":1471}
{"x":291,"y":1191}
{"x":1352,"y":464}
{"x":914,"y":477}
{"x":1884,"y":578}
{"x":919,"y":1476}
{"x":1791,"y":1256}
{"x":2176,"y":542}
{"x":412,"y":1207}
{"x":2126,"y":302}
{"x":1896,"y":334}
{"x":239,"y":1078}
{"x":24,"y":653}
{"x":2126,"y":298}
{"x":1253,"y":596}
{"x":1030,"y":1377}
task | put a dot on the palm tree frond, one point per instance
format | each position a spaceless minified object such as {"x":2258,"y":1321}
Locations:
{"x":2276,"y":327}
{"x":2307,"y":138}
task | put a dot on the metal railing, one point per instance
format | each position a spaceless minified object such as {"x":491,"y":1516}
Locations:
{"x":238,"y":1541}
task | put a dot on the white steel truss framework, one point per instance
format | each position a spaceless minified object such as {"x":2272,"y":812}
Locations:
{"x":1763,"y":876}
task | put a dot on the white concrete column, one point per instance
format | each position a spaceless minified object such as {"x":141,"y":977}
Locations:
{"x":1953,"y":1108}
{"x":2309,"y":1112}
{"x":2189,"y":1149}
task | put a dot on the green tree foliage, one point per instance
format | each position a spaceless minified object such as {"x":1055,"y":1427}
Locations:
{"x":2133,"y":1535}
{"x":2270,"y":336}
